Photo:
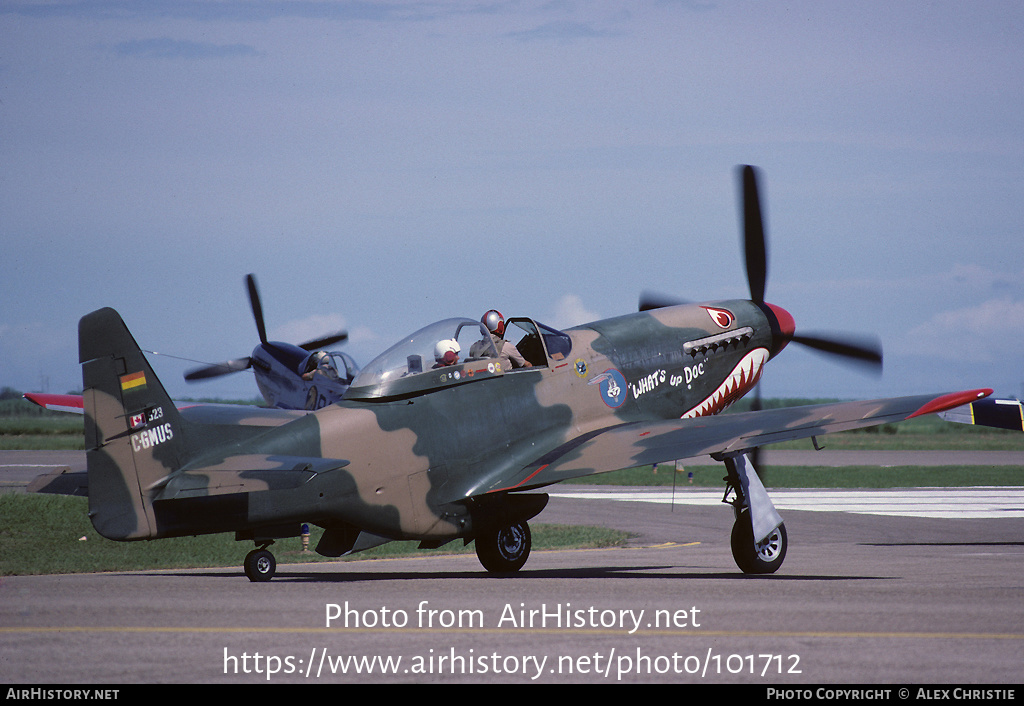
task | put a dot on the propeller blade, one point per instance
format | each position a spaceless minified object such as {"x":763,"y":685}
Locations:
{"x":755,"y":460}
{"x":234,"y":366}
{"x":755,"y":453}
{"x":325,"y":341}
{"x":863,"y":350}
{"x":755,"y":248}
{"x":654,"y":300}
{"x":218,"y":369}
{"x":257,"y":308}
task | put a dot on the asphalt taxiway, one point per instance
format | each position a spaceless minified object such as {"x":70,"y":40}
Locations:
{"x":862,"y":598}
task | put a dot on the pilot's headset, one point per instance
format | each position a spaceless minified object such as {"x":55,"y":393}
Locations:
{"x":494,"y":322}
{"x":446,"y":352}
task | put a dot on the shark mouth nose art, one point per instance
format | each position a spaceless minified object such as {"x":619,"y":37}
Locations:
{"x":744,"y":376}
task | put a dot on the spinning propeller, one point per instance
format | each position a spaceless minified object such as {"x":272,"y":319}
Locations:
{"x":860,"y":351}
{"x":865,"y":352}
{"x":234,"y":366}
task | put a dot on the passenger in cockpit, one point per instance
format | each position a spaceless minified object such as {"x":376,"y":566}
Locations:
{"x":446,"y":353}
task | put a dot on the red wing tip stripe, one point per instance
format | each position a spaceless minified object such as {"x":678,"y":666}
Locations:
{"x":48,"y":400}
{"x":953,"y":399}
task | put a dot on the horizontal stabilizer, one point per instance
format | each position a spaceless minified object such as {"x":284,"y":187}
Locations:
{"x":245,"y":474}
{"x":57,"y":403}
{"x":60,"y":481}
{"x":203,"y":412}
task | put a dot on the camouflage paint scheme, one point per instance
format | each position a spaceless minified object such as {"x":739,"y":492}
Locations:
{"x":438,"y":456}
{"x":454,"y":451}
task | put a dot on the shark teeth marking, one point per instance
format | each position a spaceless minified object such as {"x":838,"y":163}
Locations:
{"x":743,"y":377}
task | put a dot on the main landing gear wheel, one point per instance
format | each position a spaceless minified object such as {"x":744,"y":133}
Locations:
{"x":504,"y":551}
{"x":766,"y":556}
{"x":260,"y":565}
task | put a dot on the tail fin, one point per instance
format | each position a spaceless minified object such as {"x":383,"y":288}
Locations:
{"x":134,"y":436}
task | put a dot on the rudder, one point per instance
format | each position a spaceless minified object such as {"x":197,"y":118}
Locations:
{"x":134,"y":436}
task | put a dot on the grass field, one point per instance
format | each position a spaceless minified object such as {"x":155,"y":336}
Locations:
{"x":51,"y":534}
{"x":49,"y":433}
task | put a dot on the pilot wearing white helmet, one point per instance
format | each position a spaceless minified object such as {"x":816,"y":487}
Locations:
{"x":446,"y":353}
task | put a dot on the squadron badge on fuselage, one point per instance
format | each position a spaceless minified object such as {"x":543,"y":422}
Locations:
{"x":613,"y":387}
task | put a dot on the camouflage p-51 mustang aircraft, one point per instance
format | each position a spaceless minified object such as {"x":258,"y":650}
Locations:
{"x":438,"y":439}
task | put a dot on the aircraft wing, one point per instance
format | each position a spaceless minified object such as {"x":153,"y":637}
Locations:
{"x":643,"y":443}
{"x":59,"y":403}
{"x":1002,"y":414}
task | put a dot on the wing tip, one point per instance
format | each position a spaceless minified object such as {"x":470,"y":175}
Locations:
{"x":951,"y":400}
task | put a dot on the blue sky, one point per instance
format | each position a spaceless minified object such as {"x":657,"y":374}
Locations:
{"x":383,"y":165}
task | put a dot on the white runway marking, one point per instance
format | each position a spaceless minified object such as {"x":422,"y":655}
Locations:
{"x":946,"y":503}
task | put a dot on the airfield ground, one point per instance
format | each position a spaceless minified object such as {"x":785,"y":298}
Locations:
{"x":863,"y":598}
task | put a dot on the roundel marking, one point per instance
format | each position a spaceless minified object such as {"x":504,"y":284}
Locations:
{"x":612,"y":386}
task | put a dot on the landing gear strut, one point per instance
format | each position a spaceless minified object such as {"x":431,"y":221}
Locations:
{"x":759,"y":540}
{"x":504,"y":550}
{"x":260,"y":565}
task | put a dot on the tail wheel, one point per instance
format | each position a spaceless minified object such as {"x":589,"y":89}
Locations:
{"x":505,"y":550}
{"x":764,"y":557}
{"x":260,"y":565}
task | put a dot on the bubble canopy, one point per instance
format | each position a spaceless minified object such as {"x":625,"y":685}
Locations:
{"x":410,"y":365}
{"x":417,"y":363}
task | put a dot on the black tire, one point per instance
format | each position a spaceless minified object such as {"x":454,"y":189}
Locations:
{"x":504,"y":551}
{"x":764,"y":558}
{"x":260,"y":565}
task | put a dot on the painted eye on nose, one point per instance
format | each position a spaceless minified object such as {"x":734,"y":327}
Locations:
{"x":722,"y":317}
